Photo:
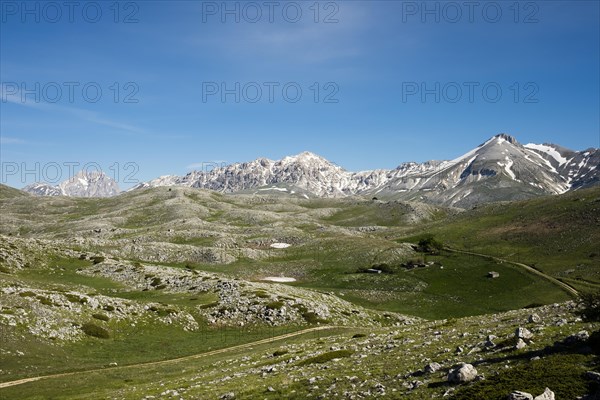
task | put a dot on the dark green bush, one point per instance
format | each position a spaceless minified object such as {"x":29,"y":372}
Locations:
{"x":281,"y":352}
{"x":155,"y":281}
{"x":589,"y":306}
{"x":313,"y":318}
{"x":101,"y":317}
{"x":97,"y":259}
{"x":94,"y":330}
{"x":428,"y":244}
{"x":275,"y":305}
{"x":261,"y":294}
{"x":359,"y":335}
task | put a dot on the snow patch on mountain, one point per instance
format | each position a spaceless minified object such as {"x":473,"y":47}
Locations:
{"x":551,"y":151}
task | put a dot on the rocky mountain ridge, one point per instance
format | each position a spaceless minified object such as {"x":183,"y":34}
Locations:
{"x":500,"y":169}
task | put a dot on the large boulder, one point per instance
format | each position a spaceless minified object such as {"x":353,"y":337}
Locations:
{"x":547,"y":395}
{"x":462,"y":374}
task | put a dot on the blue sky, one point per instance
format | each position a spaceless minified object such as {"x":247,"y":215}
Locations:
{"x":372,"y":59}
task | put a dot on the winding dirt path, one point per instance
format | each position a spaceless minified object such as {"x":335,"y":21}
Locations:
{"x":172,"y":360}
{"x":568,"y":288}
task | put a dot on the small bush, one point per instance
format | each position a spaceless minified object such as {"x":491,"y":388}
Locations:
{"x":94,"y":330}
{"x":45,"y":301}
{"x":108,"y":308}
{"x":101,"y":317}
{"x":73,"y":298}
{"x":589,"y":304}
{"x":155,"y":281}
{"x":275,"y":305}
{"x":281,"y":352}
{"x":97,"y":259}
{"x":358,"y":335}
{"x":27,"y":294}
{"x":323,"y":358}
{"x":4,"y":269}
{"x":313,"y":318}
{"x":429,"y":244}
{"x":261,"y":294}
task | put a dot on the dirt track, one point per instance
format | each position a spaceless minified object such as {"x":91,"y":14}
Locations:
{"x":173,"y":360}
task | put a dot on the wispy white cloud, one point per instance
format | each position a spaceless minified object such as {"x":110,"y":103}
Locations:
{"x":15,"y":97}
{"x":11,"y":140}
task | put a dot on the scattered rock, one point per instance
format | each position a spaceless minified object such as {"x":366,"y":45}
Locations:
{"x":432,"y":367}
{"x":520,"y":344}
{"x":523,"y":333}
{"x":462,"y":374}
{"x":534,"y":319}
{"x":517,"y":395}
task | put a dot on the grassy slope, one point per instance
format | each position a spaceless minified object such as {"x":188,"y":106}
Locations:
{"x":558,"y":235}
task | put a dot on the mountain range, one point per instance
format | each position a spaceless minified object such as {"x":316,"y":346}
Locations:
{"x":500,"y":169}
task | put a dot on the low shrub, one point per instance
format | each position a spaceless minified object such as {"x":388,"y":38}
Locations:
{"x":94,"y":330}
{"x":275,"y":305}
{"x":97,"y":259}
{"x":101,"y":317}
{"x":313,"y":318}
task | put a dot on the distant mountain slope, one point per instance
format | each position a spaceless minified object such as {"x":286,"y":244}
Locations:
{"x":501,"y":169}
{"x":82,"y":184}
